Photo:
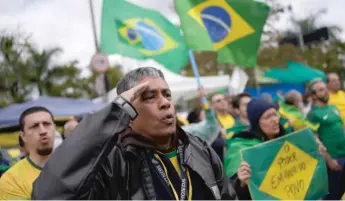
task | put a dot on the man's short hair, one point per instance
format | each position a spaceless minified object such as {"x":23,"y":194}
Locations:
{"x":32,"y":110}
{"x":237,"y":99}
{"x":131,"y":78}
{"x":217,"y":94}
{"x":311,"y":85}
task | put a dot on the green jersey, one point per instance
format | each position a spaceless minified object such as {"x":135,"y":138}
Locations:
{"x":329,"y":126}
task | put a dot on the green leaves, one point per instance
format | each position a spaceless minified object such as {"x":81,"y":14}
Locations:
{"x":25,"y":68}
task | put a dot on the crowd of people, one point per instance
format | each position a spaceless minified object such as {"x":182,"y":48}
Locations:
{"x":138,"y":148}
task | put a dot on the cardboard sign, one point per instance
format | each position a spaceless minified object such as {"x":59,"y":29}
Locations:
{"x":287,"y":168}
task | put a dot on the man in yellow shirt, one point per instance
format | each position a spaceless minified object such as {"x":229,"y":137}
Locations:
{"x":220,"y":105}
{"x":37,"y":131}
{"x":336,"y":96}
{"x":226,"y":121}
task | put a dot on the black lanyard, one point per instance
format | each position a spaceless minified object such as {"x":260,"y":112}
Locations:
{"x":162,"y":171}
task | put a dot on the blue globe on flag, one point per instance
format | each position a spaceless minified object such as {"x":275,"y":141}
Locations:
{"x":217,"y":22}
{"x":151,"y":39}
{"x":132,"y":34}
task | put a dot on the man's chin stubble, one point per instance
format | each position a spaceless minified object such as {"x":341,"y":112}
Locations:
{"x":45,"y":151}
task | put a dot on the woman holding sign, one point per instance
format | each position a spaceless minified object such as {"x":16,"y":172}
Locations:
{"x":264,"y":120}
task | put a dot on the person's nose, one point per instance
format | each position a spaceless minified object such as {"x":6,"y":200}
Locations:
{"x":276,"y":119}
{"x":42,"y":130}
{"x":164,"y":103}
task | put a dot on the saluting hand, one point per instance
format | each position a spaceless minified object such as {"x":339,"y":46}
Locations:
{"x":132,"y":94}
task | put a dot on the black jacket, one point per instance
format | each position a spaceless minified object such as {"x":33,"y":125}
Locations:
{"x":95,"y":162}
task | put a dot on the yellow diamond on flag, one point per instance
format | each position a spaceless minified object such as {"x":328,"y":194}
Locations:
{"x":153,"y":39}
{"x":124,"y":32}
{"x":290,"y":174}
{"x":223,"y":24}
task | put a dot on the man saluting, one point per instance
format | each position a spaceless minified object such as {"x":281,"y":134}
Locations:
{"x":132,"y":149}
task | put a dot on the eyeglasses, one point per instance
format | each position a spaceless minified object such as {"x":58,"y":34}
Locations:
{"x":272,"y":117}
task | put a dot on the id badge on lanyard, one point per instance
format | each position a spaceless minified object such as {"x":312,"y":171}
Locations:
{"x":162,"y":171}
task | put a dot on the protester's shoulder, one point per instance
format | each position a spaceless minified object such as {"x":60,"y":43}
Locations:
{"x":312,"y":114}
{"x":244,"y":139}
{"x":332,"y":107}
{"x":244,"y":135}
{"x":199,"y":145}
{"x":17,"y":170}
{"x":195,"y":140}
{"x":232,"y":116}
{"x":10,"y":186}
{"x":12,"y":175}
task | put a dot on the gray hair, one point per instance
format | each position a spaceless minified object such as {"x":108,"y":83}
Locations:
{"x":267,"y":97}
{"x":291,"y":97}
{"x":131,"y":78}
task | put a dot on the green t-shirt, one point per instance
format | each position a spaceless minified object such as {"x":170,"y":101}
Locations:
{"x":329,"y":126}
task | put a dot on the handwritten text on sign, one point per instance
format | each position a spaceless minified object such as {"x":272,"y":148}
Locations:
{"x":290,"y":174}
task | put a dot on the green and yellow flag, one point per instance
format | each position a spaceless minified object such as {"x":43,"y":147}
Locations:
{"x":140,"y":33}
{"x":231,"y":27}
{"x":298,"y":121}
{"x":287,"y":168}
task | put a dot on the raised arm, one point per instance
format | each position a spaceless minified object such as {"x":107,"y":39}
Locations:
{"x":208,"y":129}
{"x":79,"y":167}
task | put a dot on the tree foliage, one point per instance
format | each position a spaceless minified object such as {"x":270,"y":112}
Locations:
{"x":25,"y":69}
{"x":13,"y":67}
{"x":327,"y":56}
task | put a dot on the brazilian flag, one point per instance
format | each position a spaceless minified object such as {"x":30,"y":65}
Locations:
{"x":287,"y":168}
{"x":232,"y":28}
{"x":139,"y":33}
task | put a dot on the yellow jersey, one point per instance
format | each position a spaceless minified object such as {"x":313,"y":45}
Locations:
{"x":174,"y":161}
{"x":338,"y":99}
{"x":226,"y":121}
{"x":16,"y":183}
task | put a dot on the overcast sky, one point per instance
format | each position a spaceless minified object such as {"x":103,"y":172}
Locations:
{"x":67,"y":24}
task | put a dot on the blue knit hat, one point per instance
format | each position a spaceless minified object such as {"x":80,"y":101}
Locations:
{"x":255,"y":108}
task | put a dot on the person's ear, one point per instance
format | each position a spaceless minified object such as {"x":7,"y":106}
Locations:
{"x":23,"y":136}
